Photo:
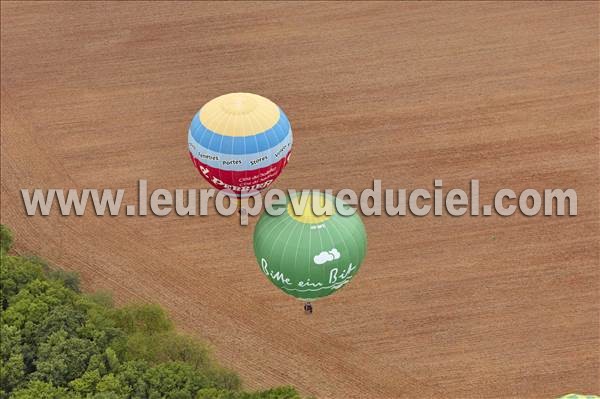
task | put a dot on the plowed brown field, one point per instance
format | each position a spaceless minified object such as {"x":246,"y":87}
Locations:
{"x":99,"y":95}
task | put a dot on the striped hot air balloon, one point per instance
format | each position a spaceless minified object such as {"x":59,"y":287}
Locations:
{"x":310,"y":256}
{"x":240,"y":143}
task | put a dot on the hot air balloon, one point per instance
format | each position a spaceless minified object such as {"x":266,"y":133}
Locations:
{"x":240,"y":143}
{"x":309,"y":256}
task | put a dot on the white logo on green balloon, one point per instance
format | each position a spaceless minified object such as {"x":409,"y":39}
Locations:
{"x":307,"y":262}
{"x":327,"y":256}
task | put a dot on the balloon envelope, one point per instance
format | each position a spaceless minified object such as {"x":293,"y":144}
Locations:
{"x":240,"y":142}
{"x":309,"y":256}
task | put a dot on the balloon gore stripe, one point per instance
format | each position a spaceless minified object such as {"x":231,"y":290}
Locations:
{"x":241,"y":183}
{"x":240,"y":142}
{"x":239,"y":162}
{"x":238,"y":145}
{"x":306,"y":255}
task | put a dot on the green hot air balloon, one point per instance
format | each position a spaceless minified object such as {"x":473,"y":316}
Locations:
{"x":309,"y":256}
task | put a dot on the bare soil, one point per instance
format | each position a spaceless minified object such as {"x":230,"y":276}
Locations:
{"x":100,"y":95}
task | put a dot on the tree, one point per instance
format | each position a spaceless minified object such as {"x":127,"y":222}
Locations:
{"x":145,"y":318}
{"x":6,"y":238}
{"x":214,"y":393}
{"x":132,"y":374}
{"x":12,"y":372}
{"x":15,"y":273}
{"x":69,"y":279}
{"x":42,"y":390}
{"x":57,"y":343}
{"x":86,"y":384}
{"x":12,"y":365}
{"x":30,"y":309}
{"x":174,"y":380}
{"x":62,"y":358}
{"x":110,"y":384}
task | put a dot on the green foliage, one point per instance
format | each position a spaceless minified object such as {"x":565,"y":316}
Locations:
{"x":6,"y":238}
{"x":145,"y":319}
{"x":58,"y":343}
{"x":62,"y":358}
{"x":12,"y":365}
{"x":276,"y":393}
{"x":174,"y":380}
{"x":101,"y":298}
{"x":41,"y":390}
{"x":15,"y":273}
{"x":69,"y":279}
